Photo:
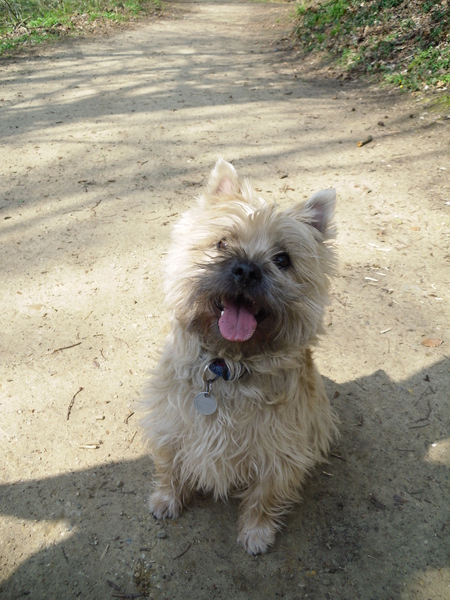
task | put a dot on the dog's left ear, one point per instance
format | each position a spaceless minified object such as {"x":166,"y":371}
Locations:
{"x":321,"y":209}
{"x":318,"y":212}
{"x":224,"y":180}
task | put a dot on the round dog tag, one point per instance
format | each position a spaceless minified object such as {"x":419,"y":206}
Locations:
{"x":205,"y":403}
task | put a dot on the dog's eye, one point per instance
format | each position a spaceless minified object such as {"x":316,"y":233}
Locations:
{"x":282,"y":260}
{"x":222,"y":245}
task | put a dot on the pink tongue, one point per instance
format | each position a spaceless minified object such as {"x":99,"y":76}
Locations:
{"x":237,"y":324}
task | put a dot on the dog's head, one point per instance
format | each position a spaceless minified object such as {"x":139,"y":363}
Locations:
{"x":246,"y":278}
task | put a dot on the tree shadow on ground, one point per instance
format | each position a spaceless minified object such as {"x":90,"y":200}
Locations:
{"x":372,"y":523}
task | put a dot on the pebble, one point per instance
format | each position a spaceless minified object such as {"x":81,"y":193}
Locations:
{"x":162,"y":534}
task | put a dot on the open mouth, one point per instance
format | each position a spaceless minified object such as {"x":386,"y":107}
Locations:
{"x":238,"y":319}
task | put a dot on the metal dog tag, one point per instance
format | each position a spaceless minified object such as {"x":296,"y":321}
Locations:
{"x":205,"y":403}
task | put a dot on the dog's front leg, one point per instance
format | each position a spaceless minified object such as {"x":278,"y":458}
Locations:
{"x":169,"y":496}
{"x":261,"y":509}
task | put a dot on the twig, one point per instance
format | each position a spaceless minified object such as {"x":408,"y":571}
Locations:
{"x":361,"y":386}
{"x":121,"y":340}
{"x":72,"y":401}
{"x":22,"y":23}
{"x":129,"y":415}
{"x":419,"y":426}
{"x":66,"y":347}
{"x":68,"y":212}
{"x":113,"y":585}
{"x":184,"y":552}
{"x":104,"y":552}
{"x":368,"y":139}
{"x":427,"y":415}
{"x":337,"y":456}
{"x":376,"y":502}
{"x":95,"y":205}
{"x":14,"y":13}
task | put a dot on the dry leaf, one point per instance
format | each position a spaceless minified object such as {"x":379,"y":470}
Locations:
{"x":432,"y":343}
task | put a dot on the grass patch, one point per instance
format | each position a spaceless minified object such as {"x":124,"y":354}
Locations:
{"x":29,"y":22}
{"x":405,"y":42}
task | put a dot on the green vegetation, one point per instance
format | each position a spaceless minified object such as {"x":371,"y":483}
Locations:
{"x":27,"y":22}
{"x":406,"y":42}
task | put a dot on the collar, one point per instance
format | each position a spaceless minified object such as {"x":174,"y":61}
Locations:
{"x":220,"y":369}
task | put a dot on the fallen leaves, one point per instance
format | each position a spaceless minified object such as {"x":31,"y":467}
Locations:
{"x":432,"y":342}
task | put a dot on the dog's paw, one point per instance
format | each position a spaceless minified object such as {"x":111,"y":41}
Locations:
{"x":257,"y":540}
{"x":164,"y":505}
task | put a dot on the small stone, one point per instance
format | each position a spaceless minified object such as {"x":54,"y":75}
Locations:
{"x":162,"y":534}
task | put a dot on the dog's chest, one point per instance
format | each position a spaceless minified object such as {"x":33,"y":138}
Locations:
{"x":220,"y":451}
{"x":227,"y":448}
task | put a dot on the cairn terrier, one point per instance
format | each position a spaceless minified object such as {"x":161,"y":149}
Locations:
{"x":236,"y":405}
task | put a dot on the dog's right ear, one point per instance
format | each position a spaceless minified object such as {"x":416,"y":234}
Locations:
{"x":224,"y":180}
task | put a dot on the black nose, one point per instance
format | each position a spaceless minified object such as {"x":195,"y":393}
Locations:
{"x":246,"y":273}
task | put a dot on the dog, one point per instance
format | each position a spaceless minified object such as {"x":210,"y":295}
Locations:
{"x":236,"y":405}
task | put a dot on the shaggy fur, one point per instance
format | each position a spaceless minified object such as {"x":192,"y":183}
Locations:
{"x":273,"y":421}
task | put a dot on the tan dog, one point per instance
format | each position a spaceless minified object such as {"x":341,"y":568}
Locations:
{"x":236,"y":404}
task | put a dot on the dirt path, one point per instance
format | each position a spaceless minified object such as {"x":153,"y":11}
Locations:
{"x":104,"y":144}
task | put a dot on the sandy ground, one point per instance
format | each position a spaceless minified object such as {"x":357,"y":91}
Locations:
{"x":104,"y":143}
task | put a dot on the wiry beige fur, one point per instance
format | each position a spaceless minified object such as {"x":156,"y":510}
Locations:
{"x":273,"y":421}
